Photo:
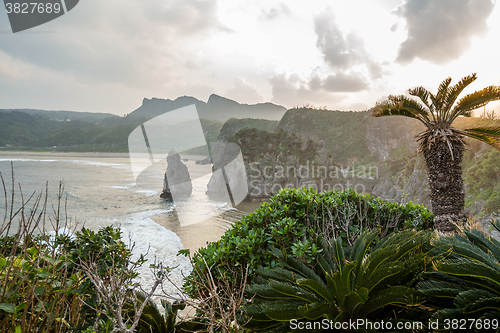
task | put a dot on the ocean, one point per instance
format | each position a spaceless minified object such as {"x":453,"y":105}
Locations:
{"x":100,"y":190}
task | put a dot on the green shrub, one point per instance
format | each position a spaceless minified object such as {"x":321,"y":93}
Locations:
{"x":290,"y":219}
{"x":341,"y":283}
{"x":37,"y":290}
{"x":45,"y":280}
{"x":107,"y":252}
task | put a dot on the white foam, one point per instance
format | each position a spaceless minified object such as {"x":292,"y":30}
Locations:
{"x":94,"y":163}
{"x":62,"y":231}
{"x":71,"y":194}
{"x":148,"y":193}
{"x":118,"y":187}
{"x":146,"y":235}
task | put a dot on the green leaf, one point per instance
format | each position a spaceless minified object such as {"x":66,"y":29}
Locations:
{"x":20,"y":307}
{"x":313,"y":311}
{"x":32,"y":251}
{"x":294,"y":291}
{"x":319,"y":288}
{"x":7,"y":307}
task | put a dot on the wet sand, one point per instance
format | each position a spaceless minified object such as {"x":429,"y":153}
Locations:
{"x":196,"y":235}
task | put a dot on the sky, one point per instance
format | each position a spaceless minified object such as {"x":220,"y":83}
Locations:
{"x":106,"y":56}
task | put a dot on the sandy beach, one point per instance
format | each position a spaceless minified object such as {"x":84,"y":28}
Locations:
{"x":197,"y":235}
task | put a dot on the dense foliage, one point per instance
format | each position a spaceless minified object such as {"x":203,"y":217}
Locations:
{"x":343,"y":132}
{"x":44,"y":285}
{"x":37,"y":291}
{"x":292,"y":218}
{"x":342,"y":283}
{"x":482,"y":178}
{"x":465,"y":283}
{"x":233,"y":125}
{"x":274,"y":146}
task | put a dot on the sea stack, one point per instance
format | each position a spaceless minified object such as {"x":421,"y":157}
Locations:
{"x":177,"y":181}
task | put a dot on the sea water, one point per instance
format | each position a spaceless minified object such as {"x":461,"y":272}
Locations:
{"x":99,"y":190}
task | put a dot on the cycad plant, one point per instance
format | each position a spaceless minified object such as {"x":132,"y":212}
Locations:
{"x":342,"y":284}
{"x":442,"y":144}
{"x":466,"y":283}
{"x":152,"y":321}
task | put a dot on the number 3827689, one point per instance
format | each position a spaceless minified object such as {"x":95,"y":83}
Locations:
{"x":32,"y":7}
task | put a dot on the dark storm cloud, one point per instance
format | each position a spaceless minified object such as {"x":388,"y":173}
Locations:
{"x":341,"y":82}
{"x":342,"y":52}
{"x":294,"y":90}
{"x":273,"y":13}
{"x":441,"y":30}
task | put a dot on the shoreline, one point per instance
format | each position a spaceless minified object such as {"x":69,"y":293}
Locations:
{"x":192,"y":236}
{"x":63,"y":154}
{"x":212,"y":228}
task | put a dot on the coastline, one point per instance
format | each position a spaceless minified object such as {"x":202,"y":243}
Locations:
{"x":192,"y":236}
{"x":61,"y":155}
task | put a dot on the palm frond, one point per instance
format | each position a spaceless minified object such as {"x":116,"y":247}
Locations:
{"x":489,"y":131}
{"x":472,"y":271}
{"x":467,"y":248}
{"x":283,"y":311}
{"x":484,"y":242}
{"x":456,"y":90}
{"x":495,"y":224}
{"x":489,"y":135}
{"x":392,"y":295}
{"x":424,"y":96}
{"x":402,"y":106}
{"x":441,"y":95}
{"x":474,"y":101}
{"x":440,"y":289}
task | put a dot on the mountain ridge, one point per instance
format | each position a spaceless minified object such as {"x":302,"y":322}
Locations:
{"x":217,"y":108}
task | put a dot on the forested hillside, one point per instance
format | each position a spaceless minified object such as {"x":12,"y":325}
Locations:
{"x":20,"y":130}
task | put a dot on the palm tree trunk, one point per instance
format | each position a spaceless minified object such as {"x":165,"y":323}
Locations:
{"x":446,"y":185}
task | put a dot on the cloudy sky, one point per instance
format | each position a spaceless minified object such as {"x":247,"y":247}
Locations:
{"x":107,"y":55}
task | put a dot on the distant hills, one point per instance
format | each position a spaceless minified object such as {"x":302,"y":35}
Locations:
{"x":64,"y":115}
{"x":87,"y":131}
{"x":216,"y":108}
{"x":22,"y":131}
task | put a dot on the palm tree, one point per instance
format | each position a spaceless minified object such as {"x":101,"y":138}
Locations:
{"x":443,"y":145}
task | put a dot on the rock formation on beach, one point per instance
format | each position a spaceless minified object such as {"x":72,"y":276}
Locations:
{"x":177,"y":182}
{"x":228,"y":174}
